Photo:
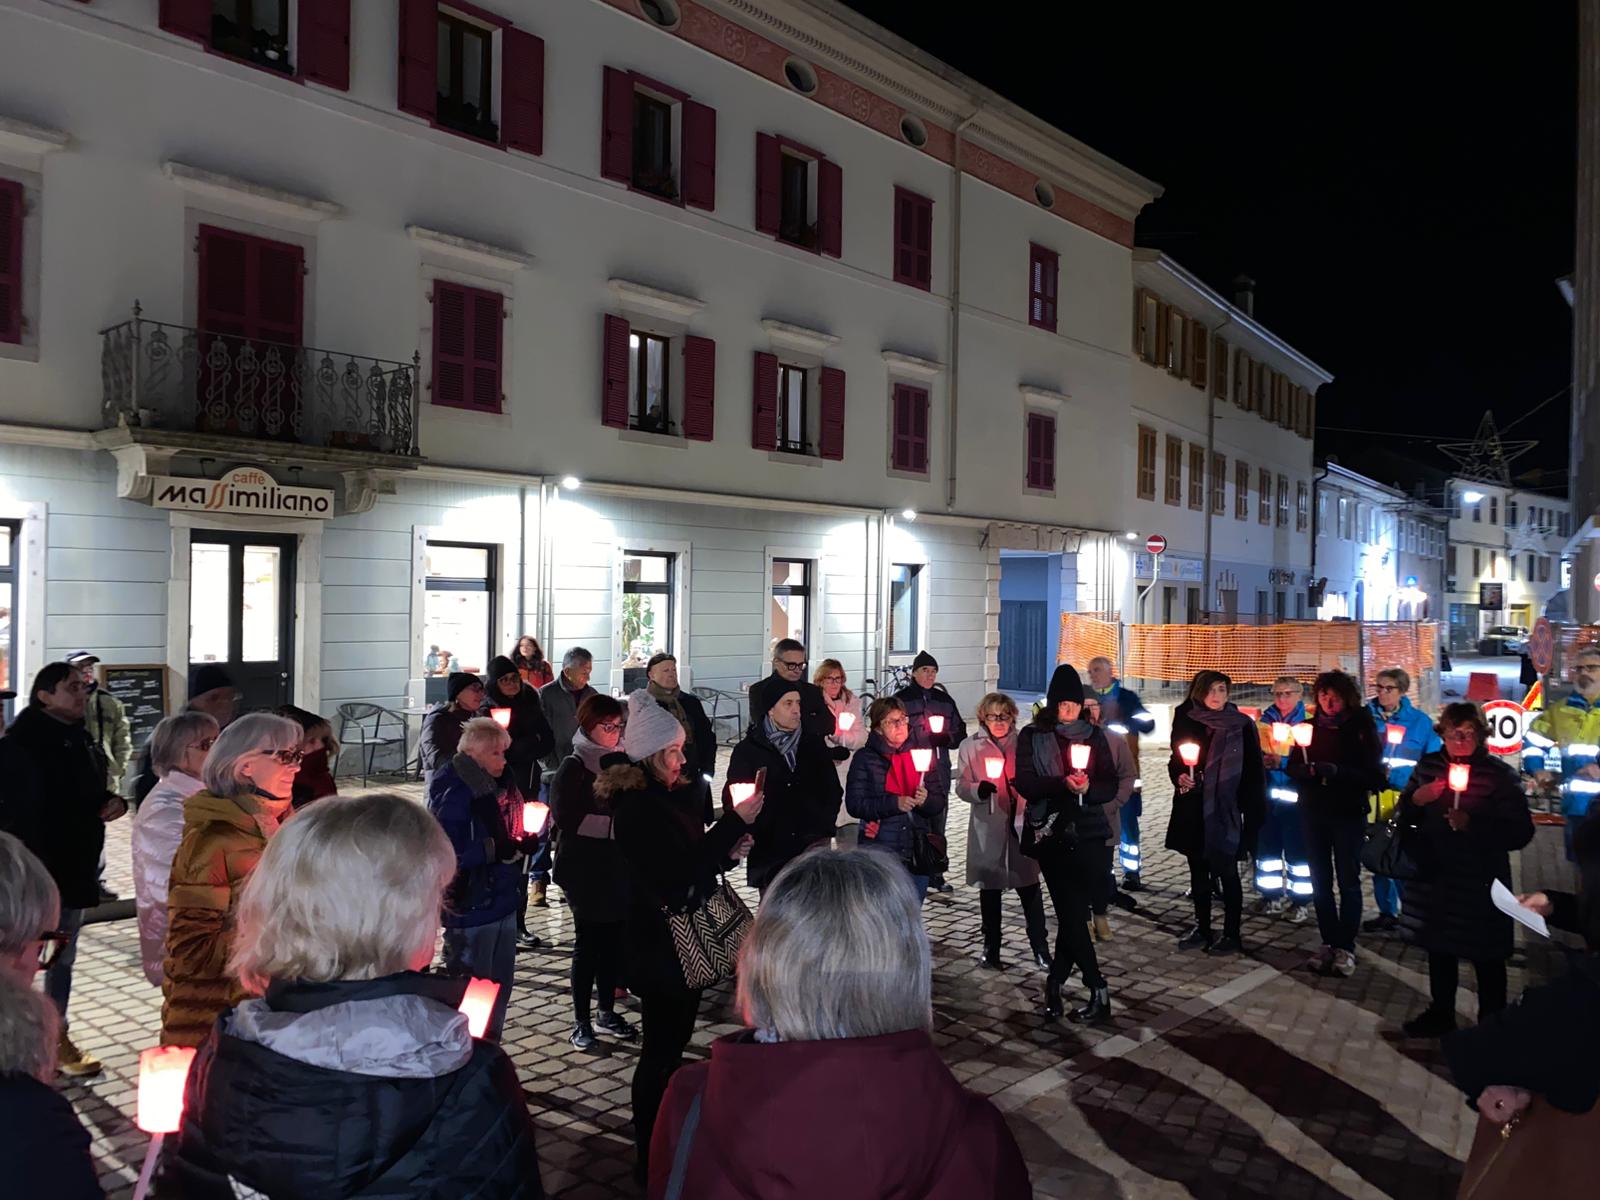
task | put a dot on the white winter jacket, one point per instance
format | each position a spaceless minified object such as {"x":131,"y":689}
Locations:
{"x":157,"y":830}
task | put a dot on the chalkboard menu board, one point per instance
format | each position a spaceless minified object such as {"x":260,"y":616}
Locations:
{"x":142,"y":689}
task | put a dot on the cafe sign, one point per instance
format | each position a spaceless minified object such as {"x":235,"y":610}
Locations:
{"x":246,"y":490}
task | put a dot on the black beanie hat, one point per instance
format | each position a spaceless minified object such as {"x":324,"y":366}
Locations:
{"x":924,"y":659}
{"x":500,"y":666}
{"x":769,"y":696}
{"x":1064,"y":685}
{"x":460,"y":681}
{"x":208,"y":677}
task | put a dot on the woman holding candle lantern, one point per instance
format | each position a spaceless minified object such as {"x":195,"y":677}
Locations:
{"x":1066,"y":774}
{"x":985,"y":768}
{"x":849,"y":734}
{"x":349,"y":1072}
{"x":1466,"y":813}
{"x":884,"y":790}
{"x":1218,"y":804}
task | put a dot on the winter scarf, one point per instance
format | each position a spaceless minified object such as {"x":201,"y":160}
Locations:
{"x":784,"y":741}
{"x":1328,"y":720}
{"x":1224,"y":768}
{"x":668,"y":699}
{"x":589,"y":753}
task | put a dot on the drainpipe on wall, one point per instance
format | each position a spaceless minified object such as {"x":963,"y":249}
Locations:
{"x":1211,"y":458}
{"x":522,"y":562}
{"x":955,"y":308}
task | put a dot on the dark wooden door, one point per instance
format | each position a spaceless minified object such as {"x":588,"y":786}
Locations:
{"x":1024,"y":645}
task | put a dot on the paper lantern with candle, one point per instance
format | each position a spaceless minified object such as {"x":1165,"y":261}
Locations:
{"x":922,"y":759}
{"x":847,"y":721}
{"x":1302,"y":735}
{"x":994,"y":766}
{"x":740,"y":792}
{"x":1189,"y":752}
{"x":1394,"y":734}
{"x":1282,"y":736}
{"x":935,"y":723}
{"x":477,"y":1004}
{"x":1460,"y":776}
{"x":502,"y":717}
{"x":1078,"y":754}
{"x":535,"y":816}
{"x":163,"y":1072}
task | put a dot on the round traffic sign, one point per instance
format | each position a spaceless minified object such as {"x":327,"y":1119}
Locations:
{"x":1155,"y":543}
{"x":1506,"y":720}
{"x":1542,"y":646}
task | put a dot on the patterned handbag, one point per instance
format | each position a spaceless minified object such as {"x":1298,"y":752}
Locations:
{"x":707,"y":937}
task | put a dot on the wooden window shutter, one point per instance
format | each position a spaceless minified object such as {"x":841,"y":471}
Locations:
{"x":249,"y":287}
{"x":450,"y":318}
{"x":279,"y":291}
{"x":830,"y":208}
{"x":764,"y":403}
{"x":616,"y":126}
{"x":830,"y":439}
{"x":11,"y":216}
{"x":419,"y":51}
{"x":769,"y":170}
{"x":614,"y":373}
{"x":913,"y":239}
{"x":325,"y":43}
{"x":909,"y":444}
{"x":487,"y":312}
{"x":1241,"y":378}
{"x":1163,"y":333}
{"x":919,"y":428}
{"x":1043,"y":268}
{"x":699,"y":388}
{"x":186,"y":18}
{"x":1140,"y":323}
{"x":522,"y":90}
{"x":1200,"y":367}
{"x":1041,"y":448}
{"x":699,"y":155}
{"x":1219,"y":367}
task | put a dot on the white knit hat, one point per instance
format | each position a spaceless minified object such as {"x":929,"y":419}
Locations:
{"x":650,"y":727}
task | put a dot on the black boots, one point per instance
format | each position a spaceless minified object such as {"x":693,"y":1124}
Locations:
{"x":989,"y":960}
{"x":1052,"y":996}
{"x":1042,"y":959}
{"x":1196,"y":939}
{"x":1097,"y":1010}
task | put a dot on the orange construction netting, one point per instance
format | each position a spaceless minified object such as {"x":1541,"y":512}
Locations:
{"x":1084,"y":637}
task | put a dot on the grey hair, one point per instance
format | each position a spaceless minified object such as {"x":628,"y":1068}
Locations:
{"x":349,"y":889}
{"x":30,"y":1029}
{"x":838,"y":950}
{"x":1401,"y":677}
{"x":574,"y":657}
{"x":481,"y":731}
{"x":173,"y":737}
{"x":29,"y":901}
{"x":1101,"y":658}
{"x":251,"y":733}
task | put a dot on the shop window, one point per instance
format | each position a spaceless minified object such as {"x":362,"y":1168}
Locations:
{"x":905,"y":607}
{"x":789,"y":613}
{"x":647,"y":611}
{"x":458,"y":614}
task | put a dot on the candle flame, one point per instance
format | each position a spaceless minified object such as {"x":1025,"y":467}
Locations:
{"x":1302,"y":735}
{"x":741,"y":791}
{"x":535,"y":816}
{"x":1282,"y":734}
{"x":1395,"y":733}
{"x":1460,"y":773}
{"x":502,"y":717}
{"x":936,"y":723}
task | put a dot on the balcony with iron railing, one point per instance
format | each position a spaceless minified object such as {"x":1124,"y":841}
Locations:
{"x":198,"y":388}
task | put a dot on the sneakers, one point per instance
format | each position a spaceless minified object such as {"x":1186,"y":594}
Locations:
{"x":74,"y":1062}
{"x":616,"y":1026}
{"x":1382,"y":923}
{"x":582,"y":1036}
{"x":528,"y":941}
{"x":1321,"y":960}
{"x":538,"y":894}
{"x":1344,"y":964}
{"x":1270,"y":906}
{"x":1430,"y":1023}
{"x":1297,"y":914}
{"x":1100,"y":927}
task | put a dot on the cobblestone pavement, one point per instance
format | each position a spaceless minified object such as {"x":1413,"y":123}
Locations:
{"x":1226,"y":1078}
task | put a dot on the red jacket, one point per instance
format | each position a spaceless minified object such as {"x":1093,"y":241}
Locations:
{"x":879,"y":1118}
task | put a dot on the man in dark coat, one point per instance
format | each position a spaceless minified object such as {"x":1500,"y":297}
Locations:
{"x":801,"y":786}
{"x":561,"y":697}
{"x":924,"y":700}
{"x":441,"y":728}
{"x":55,"y":800}
{"x":700,"y":740}
{"x":789,"y":670}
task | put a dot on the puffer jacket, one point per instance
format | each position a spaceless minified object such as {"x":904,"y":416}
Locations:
{"x":362,"y":1088}
{"x":588,"y":866}
{"x":920,"y":704}
{"x":1447,"y":907}
{"x":800,"y":807}
{"x":878,"y":775}
{"x":994,"y":848}
{"x":223,"y":840}
{"x":473,"y":808}
{"x":157,"y":832}
{"x":54,"y":786}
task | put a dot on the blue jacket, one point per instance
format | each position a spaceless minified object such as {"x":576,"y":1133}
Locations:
{"x":1420,"y":739}
{"x":921,"y":703}
{"x":1122,"y":706}
{"x":1280,"y":788}
{"x":866,"y":800}
{"x":466,"y":802}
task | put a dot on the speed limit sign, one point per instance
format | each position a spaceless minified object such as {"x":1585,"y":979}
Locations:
{"x":1507,"y":720}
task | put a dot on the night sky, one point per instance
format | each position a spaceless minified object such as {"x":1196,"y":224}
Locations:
{"x":1399,"y":183}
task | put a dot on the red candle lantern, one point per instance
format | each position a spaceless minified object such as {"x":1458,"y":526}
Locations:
{"x":740,"y":792}
{"x":1395,"y":734}
{"x":935,"y":723}
{"x":1189,"y":752}
{"x":477,"y":1004}
{"x":1282,"y":735}
{"x":922,"y":759}
{"x":994,"y":767}
{"x":535,"y":816}
{"x":502,"y":717}
{"x":1078,"y":753}
{"x":847,"y":721}
{"x":1302,"y":735}
{"x":163,"y":1072}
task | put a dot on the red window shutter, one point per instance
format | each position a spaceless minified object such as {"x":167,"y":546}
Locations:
{"x":909,"y":448}
{"x":616,"y":126}
{"x":764,"y":403}
{"x":1042,"y":269}
{"x":699,"y":155}
{"x":1041,"y":451}
{"x":522,"y":90}
{"x":186,"y":18}
{"x":769,"y":170}
{"x":913,"y":239}
{"x":279,"y":291}
{"x":830,"y":208}
{"x":450,"y":318}
{"x":325,"y":43}
{"x":11,"y":214}
{"x":250,"y":287}
{"x":419,"y":53}
{"x":830,"y":443}
{"x":699,"y":388}
{"x":487,"y":311}
{"x":614,"y":373}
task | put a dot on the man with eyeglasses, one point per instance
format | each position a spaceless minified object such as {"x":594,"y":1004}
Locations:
{"x":1391,"y":706}
{"x":56,"y":801}
{"x":1282,"y":871}
{"x":441,"y":728}
{"x":924,"y":700}
{"x":789,"y":674}
{"x":1570,"y":729}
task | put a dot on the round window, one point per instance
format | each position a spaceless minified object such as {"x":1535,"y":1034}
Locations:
{"x":663,"y":12}
{"x":914,"y":131}
{"x":800,"y":75}
{"x":1044,"y":194}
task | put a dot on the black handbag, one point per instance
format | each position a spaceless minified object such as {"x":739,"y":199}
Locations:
{"x":1385,"y":851}
{"x":929,"y":855}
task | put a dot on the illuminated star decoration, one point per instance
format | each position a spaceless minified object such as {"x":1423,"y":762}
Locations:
{"x":1487,"y":457}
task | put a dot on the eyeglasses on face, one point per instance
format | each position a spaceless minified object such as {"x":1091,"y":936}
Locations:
{"x":893,"y":722}
{"x":832,"y":678}
{"x":1388,"y":687}
{"x":792,"y":664}
{"x":288,"y":758}
{"x":51,"y":943}
{"x":203,"y":744}
{"x":1294,"y":693}
{"x":609,"y":726}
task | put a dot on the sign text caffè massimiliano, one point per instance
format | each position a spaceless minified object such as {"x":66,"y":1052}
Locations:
{"x":242,"y":490}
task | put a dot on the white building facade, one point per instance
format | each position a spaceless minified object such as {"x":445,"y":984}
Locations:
{"x":1379,"y":552}
{"x":1505,"y":561}
{"x":646,"y":326}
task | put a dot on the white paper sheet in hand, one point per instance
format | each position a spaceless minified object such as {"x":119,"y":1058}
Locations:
{"x":1507,"y":903}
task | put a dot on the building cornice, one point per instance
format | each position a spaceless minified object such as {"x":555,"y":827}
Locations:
{"x":479,"y":254}
{"x":245,"y":193}
{"x":26,"y":144}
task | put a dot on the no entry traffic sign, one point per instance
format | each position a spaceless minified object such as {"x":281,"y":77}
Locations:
{"x":1155,"y":544}
{"x":1506,"y":719}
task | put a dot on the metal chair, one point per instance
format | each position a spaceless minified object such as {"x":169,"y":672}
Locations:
{"x":363,"y":725}
{"x":718,"y":698}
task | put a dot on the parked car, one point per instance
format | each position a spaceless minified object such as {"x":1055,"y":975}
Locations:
{"x":1504,"y":639}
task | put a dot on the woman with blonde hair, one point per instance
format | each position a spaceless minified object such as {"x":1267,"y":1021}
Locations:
{"x":249,"y":778}
{"x":348,"y":1071}
{"x":850,"y":734}
{"x":835,"y":986}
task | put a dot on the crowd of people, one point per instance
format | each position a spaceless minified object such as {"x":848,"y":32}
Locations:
{"x":315,"y":949}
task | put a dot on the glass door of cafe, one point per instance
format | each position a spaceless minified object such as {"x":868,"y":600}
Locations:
{"x":241,"y":612}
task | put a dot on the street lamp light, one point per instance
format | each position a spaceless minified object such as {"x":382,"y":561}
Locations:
{"x":908,"y":514}
{"x":571,"y":482}
{"x":1471,"y":497}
